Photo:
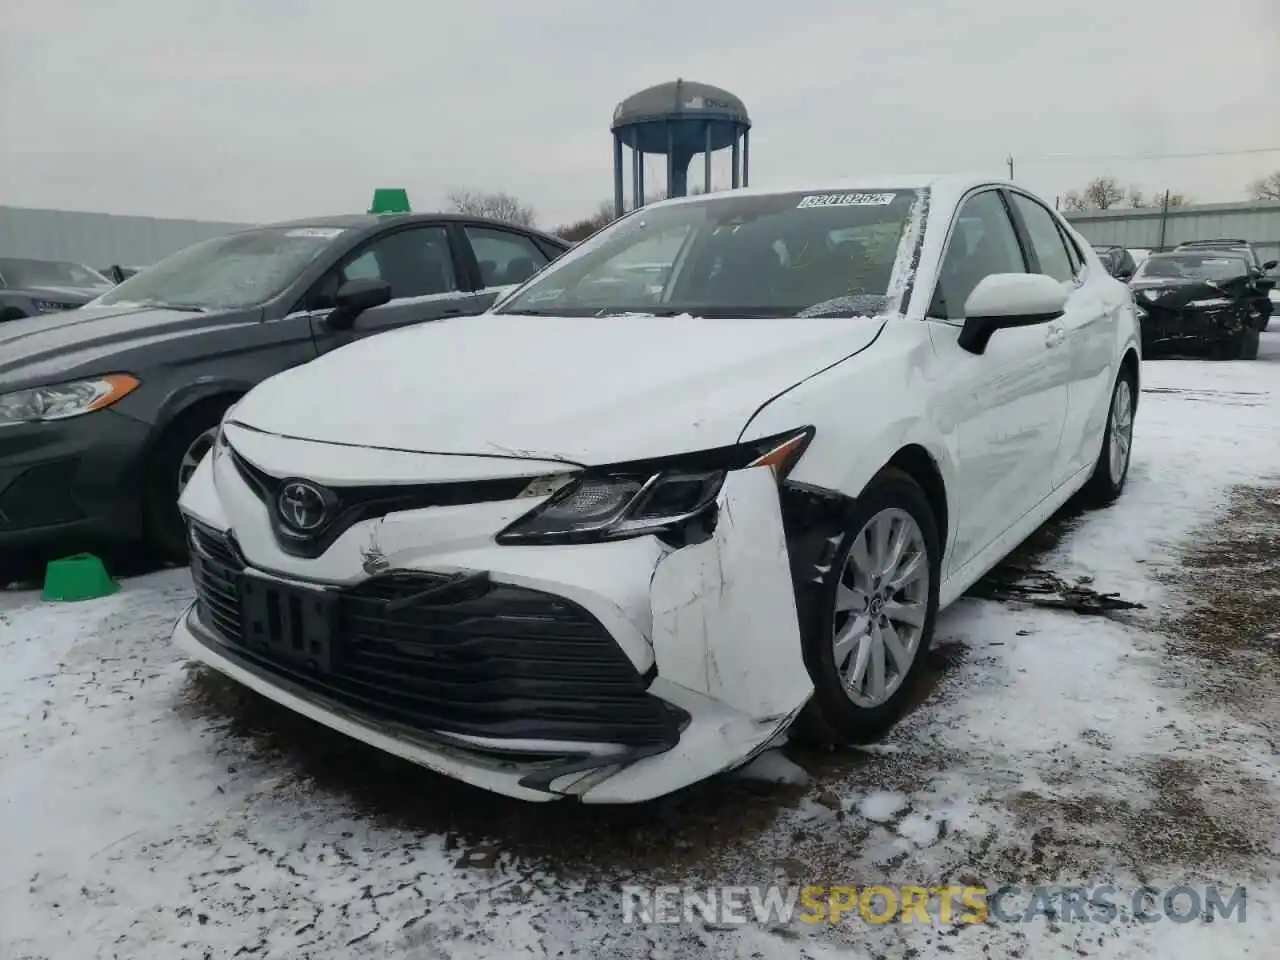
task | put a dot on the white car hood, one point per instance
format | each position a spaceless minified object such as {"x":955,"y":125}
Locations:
{"x":590,"y":390}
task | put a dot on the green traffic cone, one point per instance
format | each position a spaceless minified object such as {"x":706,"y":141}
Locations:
{"x":79,"y":577}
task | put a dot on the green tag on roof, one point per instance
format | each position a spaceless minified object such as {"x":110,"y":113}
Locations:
{"x":390,"y":200}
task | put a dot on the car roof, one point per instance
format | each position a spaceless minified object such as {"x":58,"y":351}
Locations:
{"x":366,"y":221}
{"x":1199,"y":252}
{"x":951,"y":184}
{"x":1213,"y":244}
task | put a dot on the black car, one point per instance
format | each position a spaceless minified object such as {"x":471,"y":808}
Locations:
{"x":119,"y":274}
{"x":1201,"y":301}
{"x":1118,"y":260}
{"x":29,"y":288}
{"x":106,"y":411}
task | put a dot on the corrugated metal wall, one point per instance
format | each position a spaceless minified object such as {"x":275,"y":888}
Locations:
{"x":99,"y":239}
{"x":1257,"y":222}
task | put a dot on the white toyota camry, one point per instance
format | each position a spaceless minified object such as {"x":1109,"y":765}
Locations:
{"x":711,"y":474}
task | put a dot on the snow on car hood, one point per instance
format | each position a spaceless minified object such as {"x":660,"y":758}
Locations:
{"x":590,"y":390}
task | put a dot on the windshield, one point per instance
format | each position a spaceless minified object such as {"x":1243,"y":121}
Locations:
{"x":736,"y":255}
{"x":227,"y":273}
{"x":49,"y":273}
{"x":1193,"y":267}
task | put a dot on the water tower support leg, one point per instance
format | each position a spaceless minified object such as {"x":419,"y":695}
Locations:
{"x":746,"y":155}
{"x":619,"y":197}
{"x":706,"y":162}
{"x":737,"y":153}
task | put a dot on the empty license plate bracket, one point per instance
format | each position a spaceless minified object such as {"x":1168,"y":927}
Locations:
{"x":290,"y":624}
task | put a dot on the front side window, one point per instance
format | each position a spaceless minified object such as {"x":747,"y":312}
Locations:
{"x":414,"y":263}
{"x":736,"y":255}
{"x":982,"y":242}
{"x":1046,"y":239}
{"x":504,"y":257}
{"x":18,"y":272}
{"x":227,"y":273}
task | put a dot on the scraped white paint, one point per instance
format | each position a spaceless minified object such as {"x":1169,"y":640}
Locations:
{"x":724,"y":611}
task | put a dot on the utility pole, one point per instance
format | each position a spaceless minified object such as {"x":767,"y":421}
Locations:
{"x":1009,"y":161}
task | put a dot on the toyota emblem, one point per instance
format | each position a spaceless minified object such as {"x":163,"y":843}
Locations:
{"x":303,"y":507}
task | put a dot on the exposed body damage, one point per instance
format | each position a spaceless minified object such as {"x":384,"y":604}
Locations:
{"x":716,"y":632}
{"x":549,"y":573}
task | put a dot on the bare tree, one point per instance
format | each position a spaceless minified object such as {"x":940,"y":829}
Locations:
{"x":1137,"y":199}
{"x":1266,"y":188}
{"x":496,"y":206}
{"x":1103,"y":193}
{"x":604,"y":215}
{"x":1072,"y":202}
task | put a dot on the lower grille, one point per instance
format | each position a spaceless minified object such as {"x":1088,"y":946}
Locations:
{"x":39,"y":497}
{"x":485,"y":659}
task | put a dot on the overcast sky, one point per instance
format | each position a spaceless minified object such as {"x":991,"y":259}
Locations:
{"x":253,"y":110}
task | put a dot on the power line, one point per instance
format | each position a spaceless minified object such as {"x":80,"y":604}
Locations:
{"x":1151,"y":156}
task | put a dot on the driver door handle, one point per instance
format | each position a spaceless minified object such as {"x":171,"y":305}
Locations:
{"x":1054,"y":337}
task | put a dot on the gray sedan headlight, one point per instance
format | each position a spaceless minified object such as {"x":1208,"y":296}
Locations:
{"x":60,"y":401}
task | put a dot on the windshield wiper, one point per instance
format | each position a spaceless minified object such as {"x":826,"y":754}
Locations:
{"x":611,"y":312}
{"x":161,"y":305}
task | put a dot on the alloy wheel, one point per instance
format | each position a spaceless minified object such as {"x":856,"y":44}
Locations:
{"x":1121,"y":430}
{"x":194,"y":454}
{"x":881,"y":604}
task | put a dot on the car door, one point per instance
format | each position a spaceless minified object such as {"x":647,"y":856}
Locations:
{"x":421,"y":263}
{"x":1084,"y":361}
{"x":503,"y":259}
{"x":1006,"y":406}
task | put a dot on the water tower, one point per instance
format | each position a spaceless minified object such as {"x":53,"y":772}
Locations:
{"x":678,"y":120}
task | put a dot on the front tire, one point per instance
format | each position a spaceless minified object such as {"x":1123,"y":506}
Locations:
{"x":871,"y":622}
{"x":181,"y":447}
{"x":1112,"y":469}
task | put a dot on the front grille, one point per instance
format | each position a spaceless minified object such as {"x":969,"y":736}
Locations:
{"x":486,"y":659}
{"x":354,"y":504}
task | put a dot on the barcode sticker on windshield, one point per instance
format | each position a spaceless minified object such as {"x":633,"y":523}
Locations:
{"x":316,"y":233}
{"x":846,"y":200}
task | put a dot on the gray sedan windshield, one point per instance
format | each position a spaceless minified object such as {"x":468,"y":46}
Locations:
{"x":735,"y":254}
{"x":227,"y":273}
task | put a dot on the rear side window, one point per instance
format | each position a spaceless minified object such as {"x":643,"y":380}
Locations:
{"x":504,"y":258}
{"x":1046,"y":239}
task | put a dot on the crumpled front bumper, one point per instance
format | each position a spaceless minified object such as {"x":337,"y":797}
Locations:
{"x":710,"y":629}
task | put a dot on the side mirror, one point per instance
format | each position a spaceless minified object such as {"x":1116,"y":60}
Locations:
{"x":1124,"y":274}
{"x":1003,"y":300}
{"x":354,"y":298}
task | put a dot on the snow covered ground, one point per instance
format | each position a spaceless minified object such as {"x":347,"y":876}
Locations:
{"x":153,"y":812}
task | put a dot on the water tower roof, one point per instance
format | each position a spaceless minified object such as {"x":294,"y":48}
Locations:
{"x":680,"y":99}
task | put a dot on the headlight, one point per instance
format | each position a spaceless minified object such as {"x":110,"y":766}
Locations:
{"x":631,"y":500}
{"x":62,"y":400}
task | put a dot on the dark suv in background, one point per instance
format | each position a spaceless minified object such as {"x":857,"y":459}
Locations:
{"x":106,"y":411}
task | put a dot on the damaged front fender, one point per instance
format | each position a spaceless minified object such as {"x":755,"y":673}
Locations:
{"x":724,"y":611}
{"x":726,"y":643}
